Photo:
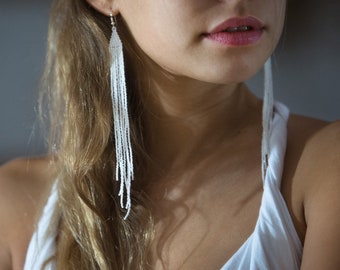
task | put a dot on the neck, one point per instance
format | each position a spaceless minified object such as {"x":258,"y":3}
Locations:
{"x":183,"y":115}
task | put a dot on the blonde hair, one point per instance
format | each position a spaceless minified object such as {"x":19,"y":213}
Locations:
{"x":92,"y":232}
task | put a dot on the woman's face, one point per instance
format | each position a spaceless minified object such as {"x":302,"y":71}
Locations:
{"x":216,"y":41}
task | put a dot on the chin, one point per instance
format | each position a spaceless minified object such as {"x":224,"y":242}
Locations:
{"x":235,"y":76}
{"x":234,"y":72}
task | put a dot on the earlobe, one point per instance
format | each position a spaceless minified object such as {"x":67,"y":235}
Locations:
{"x":106,"y":7}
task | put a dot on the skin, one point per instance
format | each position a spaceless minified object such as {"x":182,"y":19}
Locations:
{"x":203,"y":103}
{"x":25,"y":185}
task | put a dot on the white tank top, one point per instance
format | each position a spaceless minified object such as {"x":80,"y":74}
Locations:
{"x":273,"y":245}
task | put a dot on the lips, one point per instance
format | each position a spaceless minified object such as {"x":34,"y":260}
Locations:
{"x":242,"y":28}
{"x":249,"y":22}
{"x":237,"y":31}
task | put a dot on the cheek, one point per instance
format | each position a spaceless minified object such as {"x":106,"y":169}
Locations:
{"x":148,"y":27}
{"x":274,"y":17}
{"x":161,"y":40}
{"x":164,"y":26}
{"x":280,"y":14}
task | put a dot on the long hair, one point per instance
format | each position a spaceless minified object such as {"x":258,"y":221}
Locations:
{"x":92,"y":232}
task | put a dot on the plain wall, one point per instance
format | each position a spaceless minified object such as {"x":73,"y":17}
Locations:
{"x":306,"y":62}
{"x":305,"y":67}
{"x":23,"y":28}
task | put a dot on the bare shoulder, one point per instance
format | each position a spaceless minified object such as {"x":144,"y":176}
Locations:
{"x":24,"y":185}
{"x":320,"y":151}
{"x":302,"y":136}
{"x":313,"y":188}
{"x":319,"y":164}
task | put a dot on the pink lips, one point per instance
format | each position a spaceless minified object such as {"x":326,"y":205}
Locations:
{"x":237,"y":31}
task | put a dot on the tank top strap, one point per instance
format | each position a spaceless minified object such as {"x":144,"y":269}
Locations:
{"x":42,"y":245}
{"x":278,"y":143}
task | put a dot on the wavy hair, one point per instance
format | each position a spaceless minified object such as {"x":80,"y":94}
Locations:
{"x":92,"y":232}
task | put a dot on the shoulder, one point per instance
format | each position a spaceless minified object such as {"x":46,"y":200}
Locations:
{"x":313,"y":157}
{"x":319,"y":145}
{"x":24,"y":185}
{"x":318,"y":167}
{"x":304,"y":137}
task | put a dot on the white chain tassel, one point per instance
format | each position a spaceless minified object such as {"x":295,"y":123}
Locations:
{"x":267,"y":115}
{"x":124,"y":158}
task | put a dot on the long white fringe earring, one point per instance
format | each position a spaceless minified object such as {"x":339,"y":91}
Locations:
{"x":124,"y":158}
{"x":267,"y":115}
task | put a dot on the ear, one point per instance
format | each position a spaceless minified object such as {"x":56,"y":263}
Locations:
{"x":106,"y":7}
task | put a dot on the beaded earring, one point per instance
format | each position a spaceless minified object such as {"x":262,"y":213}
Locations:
{"x":124,"y":158}
{"x":267,"y":115}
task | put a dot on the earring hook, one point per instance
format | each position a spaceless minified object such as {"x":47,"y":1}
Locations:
{"x":111,"y":19}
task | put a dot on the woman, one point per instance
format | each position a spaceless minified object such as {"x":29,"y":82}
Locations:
{"x":201,"y":196}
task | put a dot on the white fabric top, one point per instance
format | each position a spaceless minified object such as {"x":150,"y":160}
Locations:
{"x":42,"y":244}
{"x":273,"y":245}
